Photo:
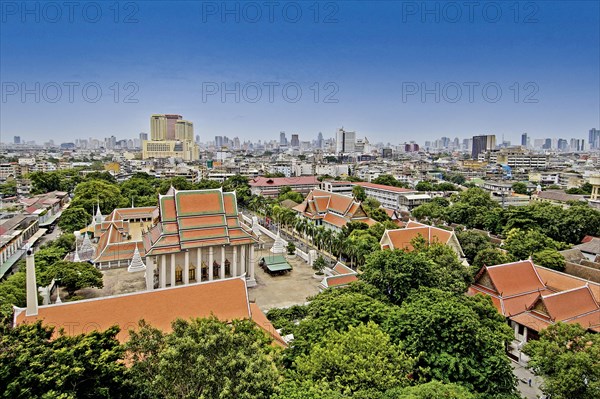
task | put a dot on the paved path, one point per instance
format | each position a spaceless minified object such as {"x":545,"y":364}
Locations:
{"x":524,"y":375}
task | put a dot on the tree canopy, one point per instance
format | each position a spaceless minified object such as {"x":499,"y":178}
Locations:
{"x":566,"y":357}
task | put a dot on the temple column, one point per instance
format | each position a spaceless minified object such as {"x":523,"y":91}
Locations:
{"x":222,"y":270}
{"x":252,"y":262}
{"x":150,"y":273}
{"x":172,"y":270}
{"x":234,"y":262}
{"x":198,"y":265}
{"x":163,"y":271}
{"x":243,"y":260}
{"x":210,"y":263}
{"x":186,"y":267}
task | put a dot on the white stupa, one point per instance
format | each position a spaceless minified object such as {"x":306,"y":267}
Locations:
{"x":136,"y":264}
{"x":76,"y":258}
{"x":87,"y":250}
{"x":278,"y":246}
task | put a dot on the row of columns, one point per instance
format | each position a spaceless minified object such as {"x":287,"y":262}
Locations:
{"x":11,"y":249}
{"x":246,"y":261}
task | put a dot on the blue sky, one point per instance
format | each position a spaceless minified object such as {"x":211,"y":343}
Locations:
{"x":371,"y":62}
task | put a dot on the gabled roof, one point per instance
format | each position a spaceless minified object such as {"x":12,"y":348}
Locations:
{"x":196,"y":218}
{"x":401,"y":238}
{"x":334,"y":209}
{"x":568,"y":304}
{"x":515,"y":278}
{"x":225,"y":299}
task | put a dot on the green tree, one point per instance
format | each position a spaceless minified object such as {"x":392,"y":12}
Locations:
{"x":36,"y":365}
{"x":73,"y":219}
{"x":359,"y":193}
{"x":141,"y":190}
{"x":360,"y":359}
{"x":472,"y":243}
{"x":337,"y":310}
{"x":397,"y":273}
{"x":203,"y":358}
{"x":388,"y":180}
{"x":90,"y":193}
{"x":179,"y":183}
{"x":519,"y":188}
{"x":424,"y":186}
{"x":457,"y":339}
{"x":490,"y":257}
{"x":307,"y":390}
{"x":566,"y":357}
{"x":241,"y":186}
{"x":549,"y":258}
{"x":523,"y":244}
{"x":9,"y":188}
{"x":319,"y":265}
{"x":74,"y":276}
{"x":430,"y":390}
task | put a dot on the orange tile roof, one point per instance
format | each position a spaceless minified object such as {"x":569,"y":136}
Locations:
{"x":334,"y":220}
{"x":340,"y":268}
{"x":515,"y":278}
{"x":568,"y":304}
{"x":261,"y":320}
{"x":344,"y":279}
{"x":200,"y":218}
{"x":226,"y":299}
{"x":558,"y":281}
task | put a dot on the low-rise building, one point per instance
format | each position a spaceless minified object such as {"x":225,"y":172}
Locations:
{"x":270,"y":186}
{"x":388,"y":196}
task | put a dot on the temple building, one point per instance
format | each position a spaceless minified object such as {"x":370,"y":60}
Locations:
{"x":198,"y":236}
{"x":332,"y":210}
{"x":119,"y":234}
{"x":402,"y":238}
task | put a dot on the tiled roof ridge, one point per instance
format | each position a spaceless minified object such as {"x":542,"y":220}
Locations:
{"x":144,"y":292}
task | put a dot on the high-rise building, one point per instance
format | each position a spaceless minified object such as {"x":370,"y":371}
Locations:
{"x":17,"y":140}
{"x":594,"y":139}
{"x":345,"y":141}
{"x":482,"y":144}
{"x":170,"y":137}
{"x":219,"y":141}
{"x":282,"y":139}
{"x":547,"y":144}
{"x":577,"y":145}
{"x":524,"y":140}
{"x":562,"y":144}
{"x":184,"y":130}
{"x":162,"y":126}
{"x":295,"y":141}
{"x":143,"y":136}
{"x":320,"y":140}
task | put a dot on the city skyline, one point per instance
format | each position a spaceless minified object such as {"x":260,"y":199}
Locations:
{"x":381,"y":80}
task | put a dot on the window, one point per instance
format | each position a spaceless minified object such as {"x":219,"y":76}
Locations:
{"x":192,"y":273}
{"x":178,"y":275}
{"x":521,"y":329}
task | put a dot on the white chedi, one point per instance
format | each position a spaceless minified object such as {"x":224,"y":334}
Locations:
{"x":136,"y":264}
{"x":278,"y":245}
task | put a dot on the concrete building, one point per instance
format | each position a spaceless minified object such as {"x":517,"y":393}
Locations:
{"x":345,"y":142}
{"x":483,"y":143}
{"x":171,"y":137}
